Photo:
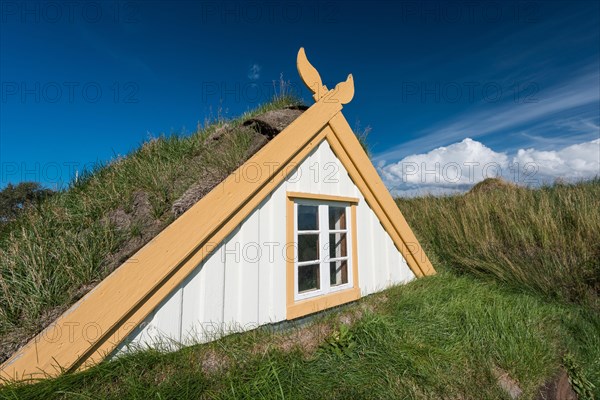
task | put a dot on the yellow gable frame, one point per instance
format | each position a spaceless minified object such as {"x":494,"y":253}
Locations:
{"x":93,"y":327}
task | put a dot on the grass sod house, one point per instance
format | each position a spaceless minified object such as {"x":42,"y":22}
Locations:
{"x":304,"y":225}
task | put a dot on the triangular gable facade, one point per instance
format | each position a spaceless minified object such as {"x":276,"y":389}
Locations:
{"x":351,"y":216}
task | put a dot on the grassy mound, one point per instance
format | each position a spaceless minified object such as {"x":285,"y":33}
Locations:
{"x":491,"y":184}
{"x":52,"y":255}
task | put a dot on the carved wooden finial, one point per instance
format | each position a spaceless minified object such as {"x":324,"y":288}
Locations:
{"x":343,"y":92}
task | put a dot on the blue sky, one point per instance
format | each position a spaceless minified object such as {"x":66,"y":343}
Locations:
{"x":502,"y":82}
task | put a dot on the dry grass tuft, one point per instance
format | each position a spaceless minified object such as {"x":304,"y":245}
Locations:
{"x":544,"y":240}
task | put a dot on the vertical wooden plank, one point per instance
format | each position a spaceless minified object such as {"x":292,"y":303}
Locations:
{"x":365,"y":250}
{"x":386,"y":242}
{"x":272,"y":233}
{"x":376,"y":248}
{"x":165,"y":327}
{"x":303,"y":178}
{"x":197,"y":331}
{"x":247,"y":295}
{"x":277,"y":283}
{"x":319,"y":172}
{"x":192,"y":308}
{"x":289,"y":213}
{"x":213,"y":278}
{"x":406,"y":274}
{"x":354,"y":239}
{"x":265,"y":265}
{"x":380,"y":262}
{"x":231,"y":254}
{"x":333,"y":173}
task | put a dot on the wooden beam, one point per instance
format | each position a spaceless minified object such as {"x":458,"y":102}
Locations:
{"x":92,"y":328}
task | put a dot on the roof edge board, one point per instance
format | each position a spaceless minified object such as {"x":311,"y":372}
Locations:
{"x":39,"y":357}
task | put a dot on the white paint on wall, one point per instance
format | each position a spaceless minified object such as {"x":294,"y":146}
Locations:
{"x":242,"y":284}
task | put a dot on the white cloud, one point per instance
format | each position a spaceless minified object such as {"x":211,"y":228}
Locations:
{"x":254,"y":72}
{"x":573,"y":162}
{"x":457,"y":167}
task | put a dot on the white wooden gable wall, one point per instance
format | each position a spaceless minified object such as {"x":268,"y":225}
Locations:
{"x":235,"y":289}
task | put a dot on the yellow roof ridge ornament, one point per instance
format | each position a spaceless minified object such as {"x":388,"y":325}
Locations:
{"x":342,"y":93}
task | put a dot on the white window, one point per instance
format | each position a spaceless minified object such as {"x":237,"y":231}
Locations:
{"x":322,"y":255}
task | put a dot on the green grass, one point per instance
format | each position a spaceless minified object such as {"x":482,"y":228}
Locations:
{"x":53,"y":254}
{"x":438,"y":337}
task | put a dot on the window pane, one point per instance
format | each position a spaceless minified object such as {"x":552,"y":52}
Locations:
{"x":308,"y":247}
{"x":308,"y":278}
{"x":337,"y":245}
{"x":337,"y":217}
{"x":308,"y":218}
{"x":338,"y":272}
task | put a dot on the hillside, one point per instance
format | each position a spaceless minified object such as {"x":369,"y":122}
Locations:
{"x":513,"y":312}
{"x":55,"y":253}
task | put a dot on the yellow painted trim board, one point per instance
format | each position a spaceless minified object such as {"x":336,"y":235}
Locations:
{"x":133,"y":284}
{"x":296,"y":309}
{"x":309,"y":306}
{"x":353,"y":226}
{"x":325,"y":197}
{"x":289,"y":254}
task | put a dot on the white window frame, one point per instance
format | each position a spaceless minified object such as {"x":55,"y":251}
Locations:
{"x":324,"y":258}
